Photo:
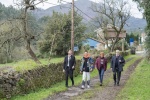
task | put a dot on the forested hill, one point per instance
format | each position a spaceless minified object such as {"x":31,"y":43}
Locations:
{"x":7,"y":12}
{"x":84,"y":5}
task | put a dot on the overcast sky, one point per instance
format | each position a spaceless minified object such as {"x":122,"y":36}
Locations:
{"x":134,"y":10}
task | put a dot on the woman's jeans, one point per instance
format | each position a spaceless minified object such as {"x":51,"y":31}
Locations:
{"x":101,"y":74}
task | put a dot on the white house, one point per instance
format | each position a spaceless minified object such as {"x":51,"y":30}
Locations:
{"x":143,"y":37}
{"x":108,"y":34}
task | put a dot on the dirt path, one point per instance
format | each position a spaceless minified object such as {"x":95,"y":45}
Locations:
{"x":110,"y":92}
{"x":76,"y":91}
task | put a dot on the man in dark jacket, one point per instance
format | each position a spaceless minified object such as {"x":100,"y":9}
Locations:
{"x":69,"y":66}
{"x":117,"y":63}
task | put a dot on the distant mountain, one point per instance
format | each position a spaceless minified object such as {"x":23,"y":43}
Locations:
{"x":84,"y":5}
{"x":135,"y":24}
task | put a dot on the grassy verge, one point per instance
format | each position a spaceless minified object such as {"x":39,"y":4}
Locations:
{"x":30,"y":64}
{"x":87,"y":95}
{"x":138,"y":86}
{"x":43,"y":93}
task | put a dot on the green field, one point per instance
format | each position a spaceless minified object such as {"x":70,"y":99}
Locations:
{"x":138,"y":86}
{"x":30,"y":64}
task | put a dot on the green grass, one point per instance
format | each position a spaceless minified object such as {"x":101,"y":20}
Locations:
{"x":138,"y":86}
{"x":43,"y":93}
{"x":130,"y":62}
{"x":29,"y":64}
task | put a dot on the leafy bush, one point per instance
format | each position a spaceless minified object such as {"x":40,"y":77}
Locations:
{"x":119,"y":46}
{"x":21,"y":82}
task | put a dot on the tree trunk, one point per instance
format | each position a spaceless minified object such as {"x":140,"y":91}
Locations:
{"x":107,"y":46}
{"x":115,"y":42}
{"x":27,"y":38}
{"x":32,"y":54}
{"x":123,"y":44}
{"x":51,"y":49}
{"x":113,"y":45}
{"x":112,"y":48}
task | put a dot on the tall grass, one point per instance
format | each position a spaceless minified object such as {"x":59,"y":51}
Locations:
{"x":138,"y":86}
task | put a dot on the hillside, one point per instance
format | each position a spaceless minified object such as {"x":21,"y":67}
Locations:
{"x":133,"y":24}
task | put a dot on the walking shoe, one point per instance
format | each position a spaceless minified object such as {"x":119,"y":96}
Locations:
{"x":117,"y":83}
{"x":88,"y":86}
{"x":100,"y":84}
{"x":82,"y":87}
{"x":114,"y":83}
{"x":66,"y":86}
{"x":73,"y":85}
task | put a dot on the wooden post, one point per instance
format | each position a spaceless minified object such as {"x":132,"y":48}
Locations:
{"x":72,"y":28}
{"x":123,"y":44}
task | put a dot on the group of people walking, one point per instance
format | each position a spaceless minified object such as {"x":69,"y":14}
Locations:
{"x":88,"y":64}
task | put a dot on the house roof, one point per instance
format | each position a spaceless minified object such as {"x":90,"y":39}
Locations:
{"x":109,"y":32}
{"x":109,"y":28}
{"x":96,"y":40}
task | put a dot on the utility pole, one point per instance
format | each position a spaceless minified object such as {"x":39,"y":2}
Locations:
{"x":72,"y":28}
{"x":123,"y":40}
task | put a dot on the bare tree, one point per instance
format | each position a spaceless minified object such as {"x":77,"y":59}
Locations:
{"x":25,"y":6}
{"x":113,"y":12}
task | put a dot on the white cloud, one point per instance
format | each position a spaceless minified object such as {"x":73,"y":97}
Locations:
{"x":7,"y":2}
{"x":134,"y":10}
{"x":53,"y":3}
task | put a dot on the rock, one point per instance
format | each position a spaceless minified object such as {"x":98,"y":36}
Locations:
{"x":1,"y":80}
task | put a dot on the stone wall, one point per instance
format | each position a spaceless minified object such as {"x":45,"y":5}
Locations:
{"x":12,"y":83}
{"x":8,"y":83}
